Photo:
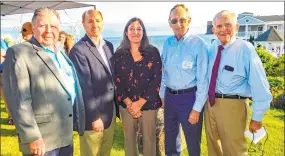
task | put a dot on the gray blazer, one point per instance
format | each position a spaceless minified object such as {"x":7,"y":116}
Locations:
{"x":38,"y":100}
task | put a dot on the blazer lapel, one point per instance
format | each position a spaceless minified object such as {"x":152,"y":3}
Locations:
{"x":48,"y":62}
{"x":96,"y":53}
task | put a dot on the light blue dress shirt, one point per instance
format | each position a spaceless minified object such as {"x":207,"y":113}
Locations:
{"x":184,"y":65}
{"x":65,"y":69}
{"x":241,"y":73}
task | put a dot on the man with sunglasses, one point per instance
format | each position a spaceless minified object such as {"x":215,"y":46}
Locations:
{"x":26,"y":31}
{"x":236,"y":73}
{"x":184,"y":84}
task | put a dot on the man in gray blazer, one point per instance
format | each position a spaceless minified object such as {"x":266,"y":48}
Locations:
{"x":92,"y":58}
{"x":42,"y":90}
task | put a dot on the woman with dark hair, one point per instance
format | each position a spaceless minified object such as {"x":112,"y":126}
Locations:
{"x":138,"y":78}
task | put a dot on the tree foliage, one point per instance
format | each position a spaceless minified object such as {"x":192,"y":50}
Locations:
{"x":273,"y":66}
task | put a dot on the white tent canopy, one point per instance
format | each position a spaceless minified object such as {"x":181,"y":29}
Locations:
{"x":21,"y":7}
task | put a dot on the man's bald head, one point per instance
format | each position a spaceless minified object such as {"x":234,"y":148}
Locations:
{"x":91,"y":11}
{"x":92,"y":21}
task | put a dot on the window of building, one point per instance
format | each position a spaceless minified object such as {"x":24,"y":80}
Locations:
{"x":274,"y":26}
{"x":259,"y":28}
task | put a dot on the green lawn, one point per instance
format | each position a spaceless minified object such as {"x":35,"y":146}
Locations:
{"x":273,"y":121}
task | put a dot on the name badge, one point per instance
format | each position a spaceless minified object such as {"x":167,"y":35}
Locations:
{"x":187,"y":64}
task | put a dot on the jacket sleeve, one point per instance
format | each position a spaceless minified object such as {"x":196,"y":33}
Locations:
{"x":153,"y":88}
{"x":84,"y":76}
{"x":18,"y":97}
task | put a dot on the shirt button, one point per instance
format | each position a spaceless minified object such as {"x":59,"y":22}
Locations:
{"x":70,"y":115}
{"x":69,"y":99}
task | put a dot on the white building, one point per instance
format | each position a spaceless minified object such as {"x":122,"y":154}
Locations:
{"x":271,"y":40}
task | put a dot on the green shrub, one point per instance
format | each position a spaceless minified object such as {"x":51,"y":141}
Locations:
{"x":267,"y":60}
{"x":278,"y":66}
{"x":280,"y":102}
{"x":273,"y":66}
{"x":276,"y":88}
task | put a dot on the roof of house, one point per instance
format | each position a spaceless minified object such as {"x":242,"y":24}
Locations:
{"x":270,"y":35}
{"x":246,"y":13}
{"x":209,"y":28}
{"x":270,"y":18}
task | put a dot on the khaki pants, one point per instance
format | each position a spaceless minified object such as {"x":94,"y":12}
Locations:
{"x":225,"y":124}
{"x":98,"y":143}
{"x":147,"y":124}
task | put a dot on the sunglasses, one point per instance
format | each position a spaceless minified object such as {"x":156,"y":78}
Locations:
{"x":24,"y":30}
{"x":175,"y":20}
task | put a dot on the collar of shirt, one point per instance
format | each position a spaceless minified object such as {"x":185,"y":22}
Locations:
{"x":184,"y":37}
{"x":101,"y":41}
{"x":65,"y":69}
{"x":228,"y":44}
{"x":57,"y":45}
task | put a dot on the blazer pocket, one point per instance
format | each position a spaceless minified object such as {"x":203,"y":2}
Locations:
{"x":43,"y":118}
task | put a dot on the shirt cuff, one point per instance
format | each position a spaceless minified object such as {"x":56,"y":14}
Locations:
{"x":257,"y":116}
{"x":161,"y":93}
{"x":198,"y":107}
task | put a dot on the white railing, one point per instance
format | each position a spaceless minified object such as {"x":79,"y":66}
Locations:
{"x":255,"y":34}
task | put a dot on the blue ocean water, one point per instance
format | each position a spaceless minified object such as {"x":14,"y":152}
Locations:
{"x":157,"y":41}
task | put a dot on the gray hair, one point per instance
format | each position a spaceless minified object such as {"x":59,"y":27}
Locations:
{"x":182,"y":6}
{"x":225,"y":13}
{"x":44,"y":9}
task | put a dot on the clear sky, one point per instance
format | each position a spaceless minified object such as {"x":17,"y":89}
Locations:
{"x":154,"y":14}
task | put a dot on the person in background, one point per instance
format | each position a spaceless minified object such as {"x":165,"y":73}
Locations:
{"x":68,"y":44}
{"x":4,"y":47}
{"x":92,"y":57}
{"x":26,"y":31}
{"x":184,"y":84}
{"x":138,"y":77}
{"x":42,"y":90}
{"x":62,"y":37}
{"x":235,"y":73}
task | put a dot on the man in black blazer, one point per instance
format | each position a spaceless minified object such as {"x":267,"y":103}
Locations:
{"x":92,"y":57}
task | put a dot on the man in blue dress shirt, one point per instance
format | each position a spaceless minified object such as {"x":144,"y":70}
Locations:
{"x":184,"y":84}
{"x":235,"y":73}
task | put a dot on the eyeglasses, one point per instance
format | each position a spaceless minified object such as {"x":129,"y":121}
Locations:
{"x":175,"y":20}
{"x":24,"y":30}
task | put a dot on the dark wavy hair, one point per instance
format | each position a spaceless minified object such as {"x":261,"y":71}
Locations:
{"x":125,"y":43}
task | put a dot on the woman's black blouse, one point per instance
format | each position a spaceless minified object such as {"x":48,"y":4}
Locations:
{"x":138,"y":79}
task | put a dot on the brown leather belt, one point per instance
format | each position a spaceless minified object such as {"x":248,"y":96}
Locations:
{"x":227,"y":96}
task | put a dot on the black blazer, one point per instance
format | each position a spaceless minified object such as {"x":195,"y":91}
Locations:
{"x":96,"y":82}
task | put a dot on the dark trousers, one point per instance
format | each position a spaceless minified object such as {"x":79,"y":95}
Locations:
{"x":176,"y":111}
{"x":63,"y":151}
